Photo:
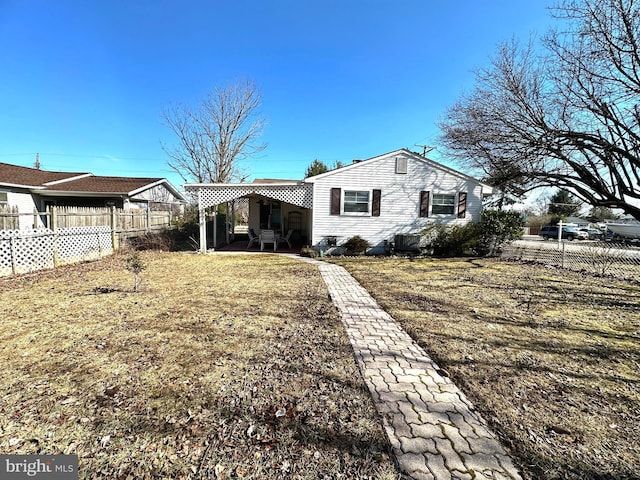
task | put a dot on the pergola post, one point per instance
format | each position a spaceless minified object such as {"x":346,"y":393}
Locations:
{"x":202,"y":220}
{"x":215,"y":226}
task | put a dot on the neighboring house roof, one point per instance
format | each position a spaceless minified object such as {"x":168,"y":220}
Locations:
{"x":77,"y":184}
{"x":14,"y":175}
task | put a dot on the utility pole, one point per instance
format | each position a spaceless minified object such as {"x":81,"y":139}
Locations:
{"x":425,"y":149}
{"x":37,"y":161}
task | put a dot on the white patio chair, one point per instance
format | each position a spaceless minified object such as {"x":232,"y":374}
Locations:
{"x":268,"y":236}
{"x":286,"y":239}
{"x":253,"y":238}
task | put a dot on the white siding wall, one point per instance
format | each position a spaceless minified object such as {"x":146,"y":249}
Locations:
{"x":400,"y":199}
{"x":159,"y":193}
{"x":26,"y":204}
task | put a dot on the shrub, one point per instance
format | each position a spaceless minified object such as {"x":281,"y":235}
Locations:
{"x":455,"y":240}
{"x":356,"y":245}
{"x":496,"y":229}
{"x":135,"y":265}
{"x":308,"y":252}
{"x":187,"y":229}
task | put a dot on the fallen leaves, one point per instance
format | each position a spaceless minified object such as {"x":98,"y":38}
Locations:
{"x":213,"y":370}
{"x":551,"y":358}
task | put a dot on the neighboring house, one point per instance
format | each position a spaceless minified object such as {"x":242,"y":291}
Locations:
{"x":395,"y":193}
{"x":33,"y":190}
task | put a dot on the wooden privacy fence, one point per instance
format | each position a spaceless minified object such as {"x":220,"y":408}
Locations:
{"x":71,"y":234}
{"x":601,"y":258}
{"x":8,"y":217}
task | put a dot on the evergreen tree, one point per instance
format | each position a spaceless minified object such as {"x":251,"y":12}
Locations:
{"x":563,"y":204}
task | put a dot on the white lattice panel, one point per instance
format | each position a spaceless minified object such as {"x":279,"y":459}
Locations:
{"x":77,"y":244}
{"x":23,"y":251}
{"x":300,"y":194}
{"x":26,"y":251}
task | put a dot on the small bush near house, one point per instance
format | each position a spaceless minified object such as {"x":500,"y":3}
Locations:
{"x":451,"y":241}
{"x":356,"y":246}
{"x":308,"y":252}
{"x":496,"y":229}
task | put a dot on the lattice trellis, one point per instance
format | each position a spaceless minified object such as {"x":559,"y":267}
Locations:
{"x":77,"y":244}
{"x":23,"y":251}
{"x":300,"y":194}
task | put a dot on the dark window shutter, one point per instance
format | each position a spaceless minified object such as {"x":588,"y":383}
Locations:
{"x":424,"y":203}
{"x":335,"y":201}
{"x":375,"y":204}
{"x":462,"y":204}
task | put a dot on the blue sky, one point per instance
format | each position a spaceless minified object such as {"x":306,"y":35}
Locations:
{"x":83,"y":83}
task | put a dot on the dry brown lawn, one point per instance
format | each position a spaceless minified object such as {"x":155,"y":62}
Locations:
{"x":551,"y":358}
{"x":219,"y":367}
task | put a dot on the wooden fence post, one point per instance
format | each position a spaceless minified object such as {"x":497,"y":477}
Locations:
{"x":114,"y":234}
{"x":12,"y":244}
{"x":54,"y":228}
{"x":148,"y":229}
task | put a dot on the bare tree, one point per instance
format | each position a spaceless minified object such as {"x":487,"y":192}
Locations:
{"x":568,"y":117}
{"x":215,"y":137}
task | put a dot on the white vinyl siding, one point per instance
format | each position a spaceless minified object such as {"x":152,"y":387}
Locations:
{"x":399,"y":201}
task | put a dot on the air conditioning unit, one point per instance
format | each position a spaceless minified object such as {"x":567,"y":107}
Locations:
{"x":407,"y":242}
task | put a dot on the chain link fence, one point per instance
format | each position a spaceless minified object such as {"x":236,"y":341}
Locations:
{"x":600,"y":258}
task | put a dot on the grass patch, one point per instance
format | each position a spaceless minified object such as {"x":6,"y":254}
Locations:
{"x":551,"y":358}
{"x":218,"y":367}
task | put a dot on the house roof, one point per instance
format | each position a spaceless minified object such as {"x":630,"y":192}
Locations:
{"x":31,"y":177}
{"x":45,"y":182}
{"x":433,"y":163}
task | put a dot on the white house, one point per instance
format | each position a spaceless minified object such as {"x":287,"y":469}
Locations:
{"x":399,"y":192}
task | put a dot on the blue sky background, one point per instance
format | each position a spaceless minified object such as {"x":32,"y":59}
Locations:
{"x":84,"y":83}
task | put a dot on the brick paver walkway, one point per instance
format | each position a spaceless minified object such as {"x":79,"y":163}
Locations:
{"x":434,"y":430}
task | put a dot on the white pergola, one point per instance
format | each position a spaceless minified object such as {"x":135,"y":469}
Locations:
{"x":213,"y":194}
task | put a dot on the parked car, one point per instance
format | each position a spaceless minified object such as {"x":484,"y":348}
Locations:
{"x":568,"y":233}
{"x":593,"y":233}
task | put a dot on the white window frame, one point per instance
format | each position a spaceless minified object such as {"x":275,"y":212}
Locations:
{"x":443,"y":194}
{"x":6,"y":197}
{"x":356,"y":190}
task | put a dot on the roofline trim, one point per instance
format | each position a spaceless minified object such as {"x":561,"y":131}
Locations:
{"x":70,"y":179}
{"x":160,"y":181}
{"x":17,"y":185}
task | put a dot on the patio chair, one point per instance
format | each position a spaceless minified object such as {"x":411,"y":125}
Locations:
{"x":286,"y":239}
{"x":268,"y":236}
{"x":253,"y":238}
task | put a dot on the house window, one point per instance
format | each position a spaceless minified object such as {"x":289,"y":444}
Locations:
{"x":4,"y":197}
{"x":443,"y":204}
{"x":356,"y":201}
